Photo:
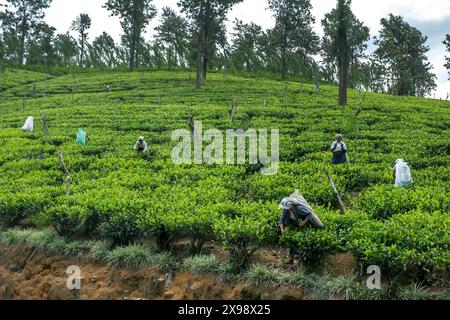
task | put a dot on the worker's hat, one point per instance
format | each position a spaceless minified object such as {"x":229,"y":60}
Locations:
{"x":141,"y":138}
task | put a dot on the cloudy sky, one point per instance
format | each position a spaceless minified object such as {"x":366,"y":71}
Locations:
{"x":432,"y":17}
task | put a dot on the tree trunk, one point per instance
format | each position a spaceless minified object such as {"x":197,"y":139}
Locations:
{"x":283,"y":54}
{"x":201,"y":38}
{"x":82,"y":51}
{"x":343,"y":53}
{"x":22,"y":40}
{"x":199,"y":62}
{"x":205,"y":66}
{"x":343,"y":67}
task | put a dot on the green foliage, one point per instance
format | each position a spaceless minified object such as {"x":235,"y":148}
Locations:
{"x":313,"y":245}
{"x":16,"y":206}
{"x":395,"y":37}
{"x":121,"y":228}
{"x":67,"y":220}
{"x":413,"y":243}
{"x":382,"y":202}
{"x":243,"y":235}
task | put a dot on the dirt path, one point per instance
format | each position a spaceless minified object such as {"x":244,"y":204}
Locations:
{"x":45,"y":278}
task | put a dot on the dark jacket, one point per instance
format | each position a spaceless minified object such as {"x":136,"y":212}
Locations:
{"x":300,"y":212}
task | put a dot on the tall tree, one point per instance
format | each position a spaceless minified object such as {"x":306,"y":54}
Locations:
{"x":81,"y":25}
{"x":447,"y":44}
{"x":293,"y":30}
{"x":23,"y":17}
{"x":103,"y":52}
{"x":134,"y":16}
{"x":402,"y":55}
{"x":245,"y":40}
{"x":66,"y":49}
{"x":343,"y":46}
{"x":208,"y":17}
{"x":173,"y":32}
{"x":41,"y":51}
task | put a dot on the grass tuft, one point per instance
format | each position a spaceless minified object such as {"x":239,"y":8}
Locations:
{"x":203,"y":264}
{"x":415,"y":291}
{"x":263,"y":275}
{"x":131,"y":257}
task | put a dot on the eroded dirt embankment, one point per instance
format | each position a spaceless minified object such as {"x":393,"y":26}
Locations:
{"x":45,"y":278}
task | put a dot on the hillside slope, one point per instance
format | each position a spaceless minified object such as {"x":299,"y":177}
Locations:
{"x":118,"y":195}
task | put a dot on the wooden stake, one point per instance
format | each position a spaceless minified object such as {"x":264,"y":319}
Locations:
{"x":66,"y":171}
{"x":330,"y":181}
{"x":233,"y":111}
{"x":23,"y":103}
{"x":29,"y":260}
{"x":285,"y":94}
{"x":45,"y":126}
{"x":191,"y":122}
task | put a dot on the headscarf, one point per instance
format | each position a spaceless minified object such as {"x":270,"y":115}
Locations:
{"x":286,"y":204}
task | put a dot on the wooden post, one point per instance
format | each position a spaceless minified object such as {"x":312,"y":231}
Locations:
{"x":23,"y":103}
{"x":330,"y":181}
{"x":233,"y":111}
{"x":66,"y":171}
{"x":68,"y":186}
{"x":45,"y":126}
{"x":35,"y":90}
{"x":45,"y":87}
{"x":191,"y":122}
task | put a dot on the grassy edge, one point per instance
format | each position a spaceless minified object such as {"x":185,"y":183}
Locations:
{"x":133,"y":257}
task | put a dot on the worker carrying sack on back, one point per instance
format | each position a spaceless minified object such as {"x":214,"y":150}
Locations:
{"x":297,"y":213}
{"x":29,"y":124}
{"x":402,"y":174}
{"x":81,"y":137}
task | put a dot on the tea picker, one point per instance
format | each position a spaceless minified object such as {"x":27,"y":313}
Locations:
{"x":29,"y":125}
{"x":141,"y":145}
{"x":339,"y":150}
{"x":297,"y":213}
{"x":316,"y":87}
{"x":82,"y":137}
{"x":402,"y":174}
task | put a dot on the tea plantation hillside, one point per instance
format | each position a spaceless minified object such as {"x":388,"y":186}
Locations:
{"x":125,"y":197}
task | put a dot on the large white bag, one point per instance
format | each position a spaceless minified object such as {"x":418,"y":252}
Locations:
{"x":402,"y":174}
{"x":29,"y":124}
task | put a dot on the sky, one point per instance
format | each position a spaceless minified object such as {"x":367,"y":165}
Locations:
{"x":431,"y":17}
